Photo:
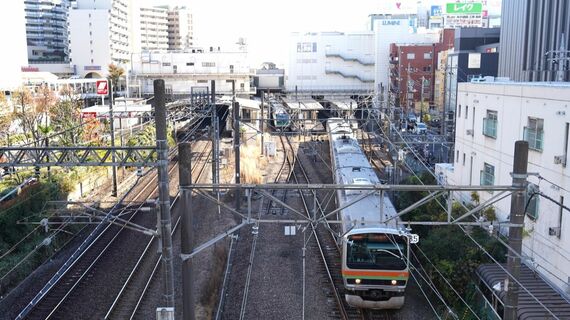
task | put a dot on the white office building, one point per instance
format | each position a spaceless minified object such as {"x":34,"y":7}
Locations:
{"x":13,"y":22}
{"x":153,"y":28}
{"x":331,"y":61}
{"x":100,"y":33}
{"x":490,"y":118}
{"x":195,"y":68}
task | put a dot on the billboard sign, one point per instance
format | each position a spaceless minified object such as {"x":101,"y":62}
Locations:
{"x":464,"y":8}
{"x":435,"y":11}
{"x":102,"y":87}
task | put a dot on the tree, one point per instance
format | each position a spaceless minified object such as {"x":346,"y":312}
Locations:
{"x":26,"y":113}
{"x":45,"y":101}
{"x":66,"y":117}
{"x":115,"y":74}
{"x":5,"y":117}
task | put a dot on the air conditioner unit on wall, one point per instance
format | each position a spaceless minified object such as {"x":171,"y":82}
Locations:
{"x":560,"y":160}
{"x":554,"y":231}
{"x":470,"y":132}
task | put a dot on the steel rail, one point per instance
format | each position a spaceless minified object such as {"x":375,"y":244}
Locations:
{"x":157,"y":264}
{"x":145,"y":251}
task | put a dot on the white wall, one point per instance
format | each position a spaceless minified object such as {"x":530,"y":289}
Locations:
{"x":192,"y":69}
{"x":515,"y":102}
{"x":15,"y":55}
{"x":308,"y":70}
{"x":90,"y":43}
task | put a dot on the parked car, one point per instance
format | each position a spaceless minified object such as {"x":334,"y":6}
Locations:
{"x":421,"y":128}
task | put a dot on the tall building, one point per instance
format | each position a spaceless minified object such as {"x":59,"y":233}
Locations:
{"x":154,"y":28}
{"x":331,"y":61}
{"x":412,"y":71}
{"x":180,"y":31}
{"x":46,"y":30}
{"x":13,"y":21}
{"x":101,"y":32}
{"x":531,"y":31}
{"x":396,"y":29}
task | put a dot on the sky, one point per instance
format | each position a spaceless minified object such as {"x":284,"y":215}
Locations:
{"x":266,"y":25}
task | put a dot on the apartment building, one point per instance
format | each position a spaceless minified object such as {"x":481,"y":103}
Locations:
{"x":180,"y":28}
{"x":46,"y":30}
{"x":154,"y":28}
{"x":101,"y":32}
{"x":490,"y":118}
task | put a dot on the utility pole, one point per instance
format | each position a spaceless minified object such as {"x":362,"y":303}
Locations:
{"x":235,"y":109}
{"x":114,"y":191}
{"x":187,"y":232}
{"x":261,"y":123}
{"x":408,"y":90}
{"x":163,"y":192}
{"x":215,"y":139}
{"x":520,"y":164}
{"x":422,"y":101}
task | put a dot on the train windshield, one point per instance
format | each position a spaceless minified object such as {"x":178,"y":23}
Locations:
{"x":376,"y":251}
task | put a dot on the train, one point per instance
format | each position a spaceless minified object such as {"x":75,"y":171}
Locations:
{"x":374,"y":251}
{"x":280,"y":115}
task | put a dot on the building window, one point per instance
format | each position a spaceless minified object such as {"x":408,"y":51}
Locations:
{"x":427,"y":55}
{"x":459,"y":112}
{"x":532,"y":201}
{"x":466,"y":111}
{"x":202,"y":81}
{"x":208,"y":64}
{"x":457,"y":156}
{"x":189,"y":64}
{"x":534,"y":133}
{"x":488,"y":175}
{"x":490,"y":124}
{"x":166,"y":64}
{"x":463,"y":158}
{"x":306,"y":47}
{"x":411,"y":56}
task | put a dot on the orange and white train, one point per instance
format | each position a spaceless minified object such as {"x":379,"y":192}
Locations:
{"x":375,"y":248}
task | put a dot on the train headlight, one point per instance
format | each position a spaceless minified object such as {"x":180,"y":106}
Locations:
{"x":394,"y":282}
{"x":357,"y":281}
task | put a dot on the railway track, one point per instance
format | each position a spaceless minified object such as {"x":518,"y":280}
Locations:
{"x":92,"y":259}
{"x":50,"y":304}
{"x":325,"y":241}
{"x":127,"y":302}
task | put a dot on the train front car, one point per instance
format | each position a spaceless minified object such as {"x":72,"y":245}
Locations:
{"x":374,"y":247}
{"x":281,"y":118}
{"x":375,"y":268}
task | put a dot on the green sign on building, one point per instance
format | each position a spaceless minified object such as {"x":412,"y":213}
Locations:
{"x":464,"y":8}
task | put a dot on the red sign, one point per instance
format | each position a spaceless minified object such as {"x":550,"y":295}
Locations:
{"x":30,"y":69}
{"x":88,"y":115}
{"x":102,"y":87}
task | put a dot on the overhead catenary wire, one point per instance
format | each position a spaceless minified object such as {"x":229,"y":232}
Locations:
{"x":446,"y":281}
{"x":481,"y":247}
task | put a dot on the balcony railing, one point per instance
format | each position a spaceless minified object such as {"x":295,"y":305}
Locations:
{"x":490,"y":127}
{"x":534,"y":138}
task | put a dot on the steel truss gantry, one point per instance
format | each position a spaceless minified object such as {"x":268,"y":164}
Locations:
{"x":365,"y":190}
